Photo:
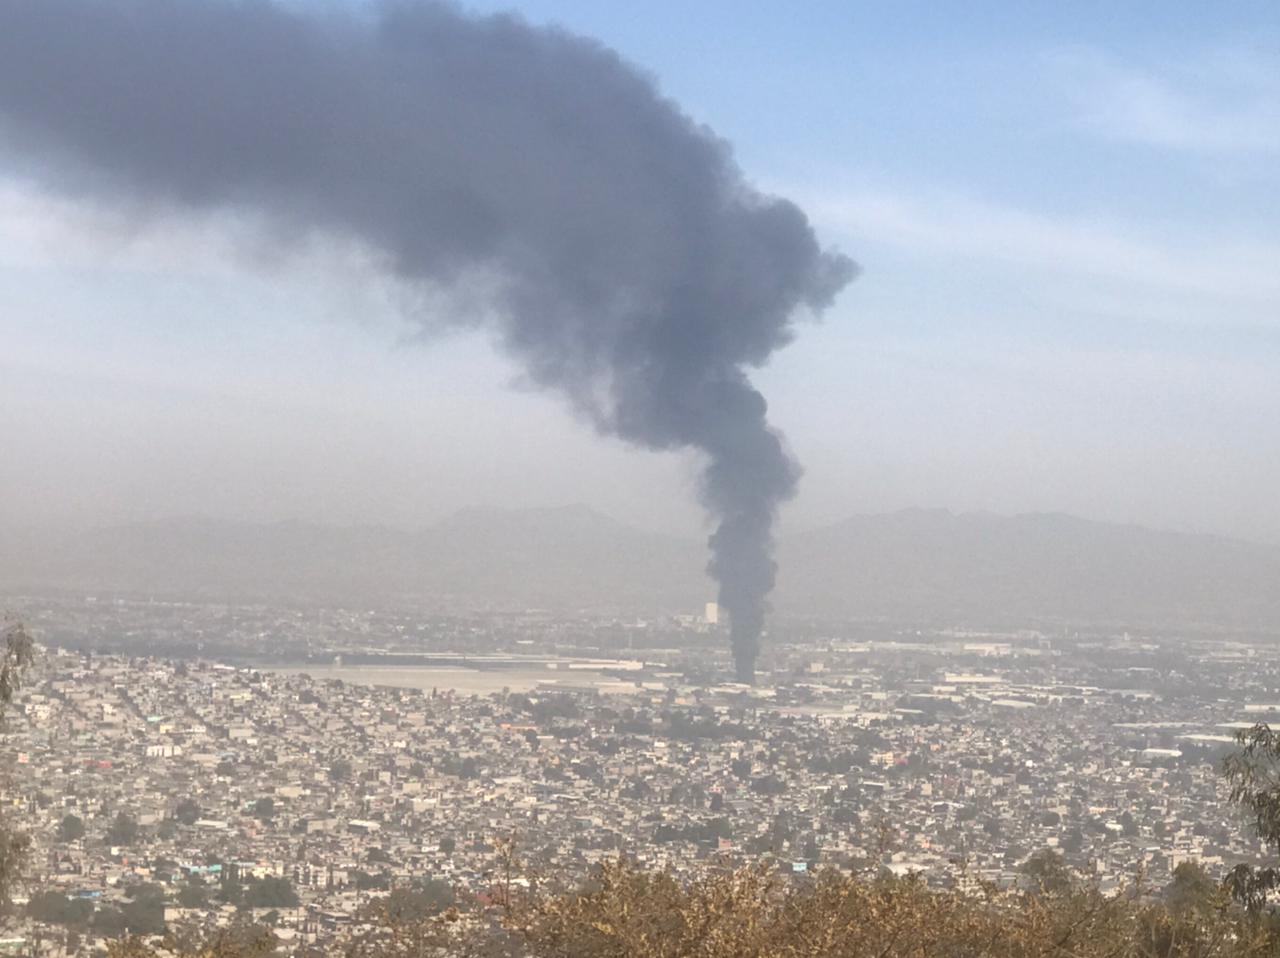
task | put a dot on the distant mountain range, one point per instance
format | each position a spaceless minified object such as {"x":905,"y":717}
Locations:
{"x":980,"y":567}
{"x":916,"y":565}
{"x":565,"y":557}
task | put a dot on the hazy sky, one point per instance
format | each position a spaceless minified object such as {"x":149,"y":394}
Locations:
{"x":1068,"y":219}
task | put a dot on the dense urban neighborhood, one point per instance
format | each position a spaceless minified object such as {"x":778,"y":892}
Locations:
{"x":163,"y":790}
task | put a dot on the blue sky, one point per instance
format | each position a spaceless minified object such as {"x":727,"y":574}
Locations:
{"x":1068,"y":216}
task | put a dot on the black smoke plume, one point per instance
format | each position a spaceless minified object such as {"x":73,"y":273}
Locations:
{"x":632,"y":267}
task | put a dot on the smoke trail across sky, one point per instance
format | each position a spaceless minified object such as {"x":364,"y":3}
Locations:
{"x":628,"y":264}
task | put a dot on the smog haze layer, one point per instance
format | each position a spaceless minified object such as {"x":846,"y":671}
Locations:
{"x":1068,"y":303}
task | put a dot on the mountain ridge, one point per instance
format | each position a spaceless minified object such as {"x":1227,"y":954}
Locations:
{"x":911,"y":564}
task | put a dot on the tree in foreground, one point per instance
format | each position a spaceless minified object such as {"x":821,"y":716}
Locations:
{"x":1046,"y":873}
{"x":1253,"y":771}
{"x":16,"y":656}
{"x":1192,"y":891}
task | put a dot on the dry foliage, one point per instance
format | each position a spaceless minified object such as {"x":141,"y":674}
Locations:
{"x":626,"y":911}
{"x":751,"y":914}
{"x":629,"y":912}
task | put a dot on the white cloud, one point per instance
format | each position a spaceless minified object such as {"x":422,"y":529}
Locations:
{"x":1222,"y":104}
{"x":1164,"y":278}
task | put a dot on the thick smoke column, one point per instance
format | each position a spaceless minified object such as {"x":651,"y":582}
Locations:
{"x":631,"y":267}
